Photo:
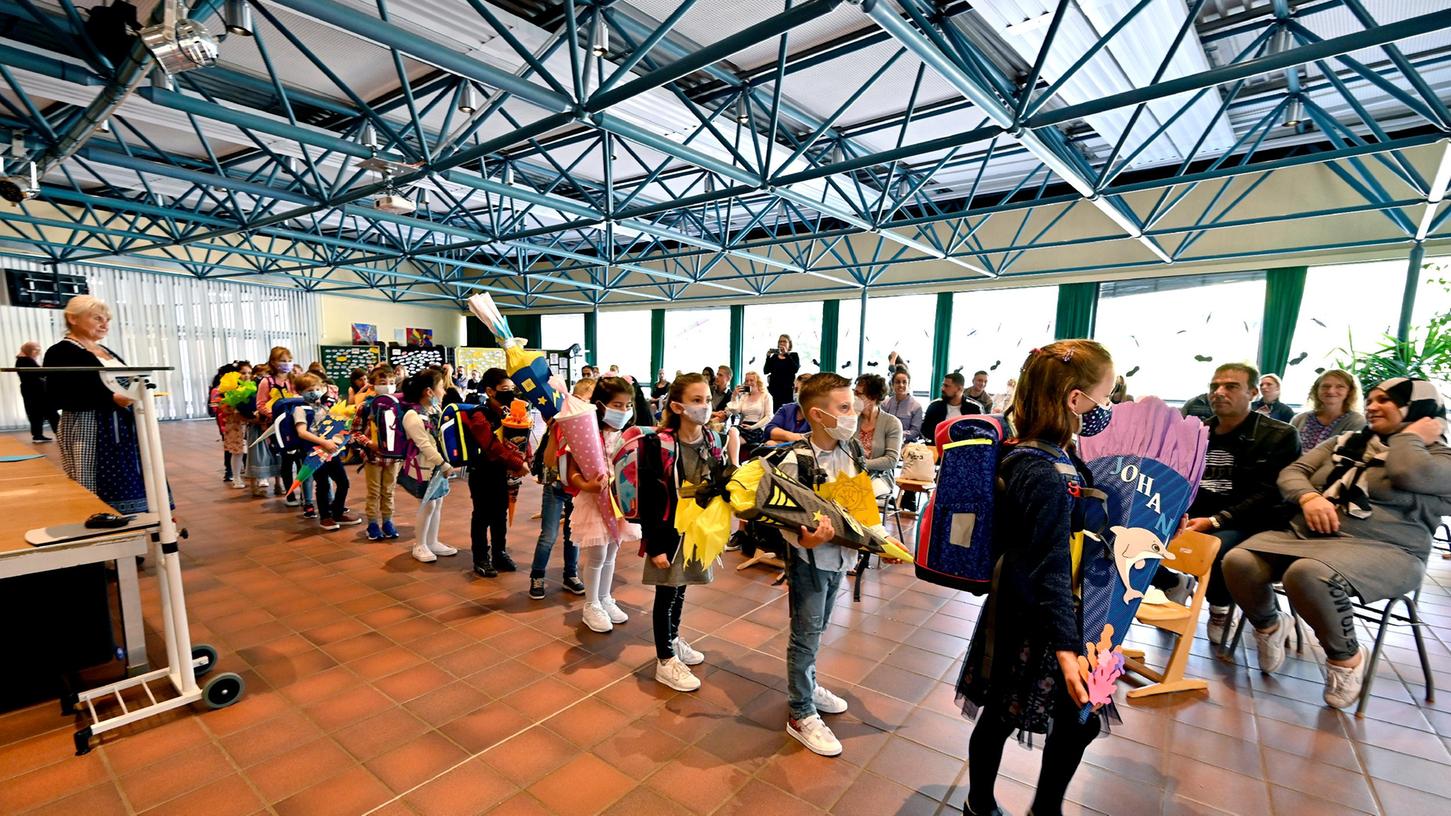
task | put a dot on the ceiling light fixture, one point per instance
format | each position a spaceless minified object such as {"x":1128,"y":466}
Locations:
{"x":600,"y":36}
{"x":1294,"y":113}
{"x":179,"y":44}
{"x":469,"y":101}
{"x":238,"y":17}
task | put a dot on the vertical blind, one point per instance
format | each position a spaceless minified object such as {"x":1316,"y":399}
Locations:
{"x":190,"y":325}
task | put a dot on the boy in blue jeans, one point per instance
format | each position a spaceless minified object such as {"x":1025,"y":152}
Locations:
{"x":816,"y":566}
{"x":554,"y":505}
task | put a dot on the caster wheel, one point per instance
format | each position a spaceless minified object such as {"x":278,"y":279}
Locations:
{"x":223,"y":690}
{"x":207,"y":655}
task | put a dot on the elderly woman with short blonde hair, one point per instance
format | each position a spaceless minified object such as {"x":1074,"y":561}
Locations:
{"x":97,"y":432}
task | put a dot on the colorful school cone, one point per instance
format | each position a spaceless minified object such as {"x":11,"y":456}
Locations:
{"x":515,"y":431}
{"x":336,"y":428}
{"x":528,"y":369}
{"x":579,"y":425}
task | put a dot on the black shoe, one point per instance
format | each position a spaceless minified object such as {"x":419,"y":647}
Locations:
{"x":504,"y":563}
{"x":485,"y":570}
{"x":536,"y":588}
{"x":996,"y":811}
{"x":226,"y":477}
{"x":573,"y":585}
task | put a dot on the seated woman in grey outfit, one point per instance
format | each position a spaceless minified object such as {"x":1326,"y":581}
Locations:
{"x":1369,"y":502}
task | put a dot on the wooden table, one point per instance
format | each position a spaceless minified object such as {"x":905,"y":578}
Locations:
{"x":35,"y":493}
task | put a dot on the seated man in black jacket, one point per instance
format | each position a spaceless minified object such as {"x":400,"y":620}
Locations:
{"x":951,"y":405}
{"x":1237,"y":495}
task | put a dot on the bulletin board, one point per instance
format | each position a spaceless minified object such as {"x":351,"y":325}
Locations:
{"x":413,"y":359}
{"x":481,"y":359}
{"x":339,"y":361}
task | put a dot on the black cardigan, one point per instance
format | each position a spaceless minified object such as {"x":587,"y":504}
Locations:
{"x":77,"y":391}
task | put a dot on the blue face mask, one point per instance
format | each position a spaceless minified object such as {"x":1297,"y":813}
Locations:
{"x":314,"y":396}
{"x":1095,"y":421}
{"x":618,"y":419}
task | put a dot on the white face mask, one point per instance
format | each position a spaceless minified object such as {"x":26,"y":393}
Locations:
{"x":699,"y":414}
{"x":384,"y":388}
{"x":844,"y":429}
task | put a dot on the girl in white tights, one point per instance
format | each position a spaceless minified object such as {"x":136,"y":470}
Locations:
{"x":423,"y":393}
{"x":614,"y":403}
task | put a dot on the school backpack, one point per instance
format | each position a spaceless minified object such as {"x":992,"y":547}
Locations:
{"x":285,"y":426}
{"x":955,"y":546}
{"x":455,"y":441}
{"x":645,"y":464}
{"x":383,"y":426}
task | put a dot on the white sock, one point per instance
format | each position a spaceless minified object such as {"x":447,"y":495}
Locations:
{"x":605,"y":578}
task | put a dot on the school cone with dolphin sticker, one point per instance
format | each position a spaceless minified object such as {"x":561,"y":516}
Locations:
{"x":1147,"y":463}
{"x":529,"y":370}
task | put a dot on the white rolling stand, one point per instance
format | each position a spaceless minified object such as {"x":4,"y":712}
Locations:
{"x":184,"y":663}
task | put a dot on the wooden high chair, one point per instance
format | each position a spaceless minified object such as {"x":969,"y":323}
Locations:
{"x":1193,"y":555}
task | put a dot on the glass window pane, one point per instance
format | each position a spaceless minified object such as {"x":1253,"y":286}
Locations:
{"x":560,"y":331}
{"x":1352,"y":305}
{"x":902,"y":324}
{"x":1174,"y":331}
{"x":765,"y":323}
{"x":624,"y":339}
{"x":993,"y":330}
{"x":694,"y":339}
{"x":1433,"y":297}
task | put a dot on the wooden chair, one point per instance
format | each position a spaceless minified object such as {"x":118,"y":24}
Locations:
{"x":1193,"y":555}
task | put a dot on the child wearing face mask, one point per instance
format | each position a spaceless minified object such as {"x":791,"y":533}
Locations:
{"x":614,"y":399}
{"x":697,"y":448}
{"x":816,"y":567}
{"x":489,"y":486}
{"x":264,"y":460}
{"x":380,"y":475}
{"x":423,"y":393}
{"x":1021,"y":673}
{"x":331,"y":479}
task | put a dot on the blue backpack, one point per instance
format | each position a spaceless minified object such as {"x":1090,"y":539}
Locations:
{"x":285,"y":427}
{"x":455,"y":441}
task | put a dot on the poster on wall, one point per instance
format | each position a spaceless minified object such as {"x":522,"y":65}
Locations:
{"x":478,"y":360}
{"x":339,"y":361}
{"x":414,"y":359}
{"x":365,"y":334}
{"x":419,"y":337}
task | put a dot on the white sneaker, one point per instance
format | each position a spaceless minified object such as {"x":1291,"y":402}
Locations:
{"x":674,"y":674}
{"x":438,"y":548}
{"x":1179,"y":593}
{"x":1271,"y":645}
{"x":1342,"y":686}
{"x":239,"y":484}
{"x":1220,"y":619}
{"x":826,"y":702}
{"x":617,"y":615}
{"x":687,"y":655}
{"x":424,"y":554}
{"x":597,"y":619}
{"x":813,"y":733}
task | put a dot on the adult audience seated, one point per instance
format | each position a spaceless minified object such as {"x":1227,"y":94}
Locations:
{"x":788,"y":424}
{"x":32,"y":393}
{"x":97,"y":432}
{"x":950,"y":405}
{"x":1369,"y":503}
{"x":1334,"y":400}
{"x":1197,"y":407}
{"x":879,"y":432}
{"x":977,"y":393}
{"x":1002,"y":401}
{"x":781,"y":367}
{"x":720,"y":390}
{"x":905,"y":407}
{"x":751,"y":402}
{"x":1269,"y":399}
{"x":1237,"y":494}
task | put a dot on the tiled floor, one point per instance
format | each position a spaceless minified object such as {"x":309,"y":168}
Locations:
{"x":378,"y":684}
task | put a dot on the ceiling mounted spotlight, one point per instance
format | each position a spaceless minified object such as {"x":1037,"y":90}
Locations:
{"x":420,"y":198}
{"x":238,"y":17}
{"x":16,"y":189}
{"x":1294,"y":113}
{"x":469,"y":101}
{"x":177,"y":43}
{"x":600,"y":37}
{"x":508,"y":175}
{"x":743,"y":111}
{"x":369,"y":138}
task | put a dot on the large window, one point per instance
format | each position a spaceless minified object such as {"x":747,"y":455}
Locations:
{"x":901,"y":324}
{"x":1166,"y":335}
{"x":764,"y":325}
{"x":1432,"y":296}
{"x":694,"y":339}
{"x":624,"y":339}
{"x":560,"y":331}
{"x":1344,"y":307}
{"x":993,"y":330}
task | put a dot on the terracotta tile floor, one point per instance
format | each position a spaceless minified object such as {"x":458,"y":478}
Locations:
{"x":376,"y":684}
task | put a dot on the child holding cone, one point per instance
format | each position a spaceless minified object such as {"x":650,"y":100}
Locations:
{"x":598,"y":537}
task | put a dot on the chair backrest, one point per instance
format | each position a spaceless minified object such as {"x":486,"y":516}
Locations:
{"x":1193,"y":553}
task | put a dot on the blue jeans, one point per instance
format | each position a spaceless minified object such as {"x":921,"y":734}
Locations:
{"x":811,"y":593}
{"x":553,"y":506}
